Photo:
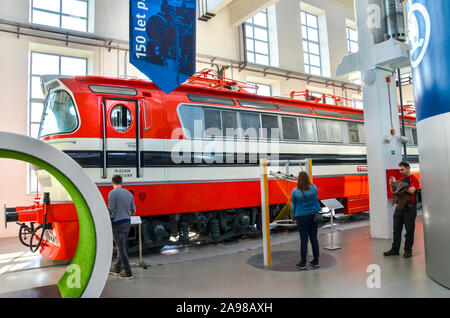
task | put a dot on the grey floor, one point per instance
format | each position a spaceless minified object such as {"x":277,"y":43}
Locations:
{"x":222,"y":270}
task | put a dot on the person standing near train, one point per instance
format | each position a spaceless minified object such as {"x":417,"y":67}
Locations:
{"x":121,"y":207}
{"x":405,"y":213}
{"x":305,"y":205}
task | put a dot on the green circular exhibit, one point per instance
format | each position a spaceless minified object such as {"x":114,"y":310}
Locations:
{"x":88,"y":271}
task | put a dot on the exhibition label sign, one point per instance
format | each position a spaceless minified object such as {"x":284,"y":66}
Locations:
{"x":162,"y":40}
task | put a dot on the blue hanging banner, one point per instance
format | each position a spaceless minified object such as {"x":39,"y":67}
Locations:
{"x":162,"y":40}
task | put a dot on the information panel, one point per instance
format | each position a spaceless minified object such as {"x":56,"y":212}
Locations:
{"x":332,"y":204}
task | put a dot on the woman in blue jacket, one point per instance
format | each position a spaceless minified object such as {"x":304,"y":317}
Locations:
{"x":305,"y":204}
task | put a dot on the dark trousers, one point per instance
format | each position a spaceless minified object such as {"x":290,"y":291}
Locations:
{"x":120,"y":233}
{"x":308,"y":228}
{"x":407,"y":218}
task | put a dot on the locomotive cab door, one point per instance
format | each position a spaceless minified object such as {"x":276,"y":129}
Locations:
{"x":121,"y":138}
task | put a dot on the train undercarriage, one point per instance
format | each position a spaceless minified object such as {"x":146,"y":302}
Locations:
{"x":43,"y":227}
{"x":198,"y":227}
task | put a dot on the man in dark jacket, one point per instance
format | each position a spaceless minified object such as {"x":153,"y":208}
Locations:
{"x":406,"y":210}
{"x":121,"y":207}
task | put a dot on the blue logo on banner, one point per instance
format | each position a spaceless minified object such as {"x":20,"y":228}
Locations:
{"x":162,"y":40}
{"x":419,"y":32}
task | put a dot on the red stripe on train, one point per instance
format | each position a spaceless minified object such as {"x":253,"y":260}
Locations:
{"x":162,"y":199}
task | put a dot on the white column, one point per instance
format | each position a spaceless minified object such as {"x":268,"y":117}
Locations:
{"x":377,"y":60}
{"x":380,"y":154}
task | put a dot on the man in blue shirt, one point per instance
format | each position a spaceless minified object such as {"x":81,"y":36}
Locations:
{"x":121,"y":207}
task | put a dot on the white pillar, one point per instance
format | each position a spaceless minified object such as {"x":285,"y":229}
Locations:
{"x":377,"y":60}
{"x":380,"y":154}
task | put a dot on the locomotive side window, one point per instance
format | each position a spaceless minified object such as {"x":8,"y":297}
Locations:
{"x":255,"y":104}
{"x":211,"y":99}
{"x":59,"y":116}
{"x":212,"y":122}
{"x":229,"y":123}
{"x":307,"y":129}
{"x":250,"y":124}
{"x":336,"y":131}
{"x":192,"y":120}
{"x":362,"y":133}
{"x":356,"y":133}
{"x":414,"y":135}
{"x":296,"y":109}
{"x":114,"y":90}
{"x":290,"y":128}
{"x":411,"y":133}
{"x":353,"y":134}
{"x":327,"y":113}
{"x":271,"y":130}
{"x":329,"y":131}
{"x":120,"y":118}
{"x":353,"y":116}
{"x":324,"y":131}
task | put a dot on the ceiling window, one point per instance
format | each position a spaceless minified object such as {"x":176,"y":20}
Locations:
{"x":66,"y":14}
{"x":311,"y":45}
{"x":263,"y":89}
{"x":257,"y":39}
{"x":352,"y":40}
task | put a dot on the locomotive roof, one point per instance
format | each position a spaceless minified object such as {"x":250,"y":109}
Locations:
{"x":187,"y":88}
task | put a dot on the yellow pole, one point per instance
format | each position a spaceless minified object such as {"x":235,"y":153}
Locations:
{"x":265,"y":213}
{"x":310,"y":170}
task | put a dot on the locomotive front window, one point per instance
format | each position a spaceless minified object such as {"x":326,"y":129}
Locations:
{"x":120,"y":118}
{"x":59,"y":116}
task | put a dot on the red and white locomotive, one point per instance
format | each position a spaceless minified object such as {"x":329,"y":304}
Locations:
{"x":188,"y":157}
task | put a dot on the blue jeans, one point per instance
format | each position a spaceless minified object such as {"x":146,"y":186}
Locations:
{"x":308,"y":228}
